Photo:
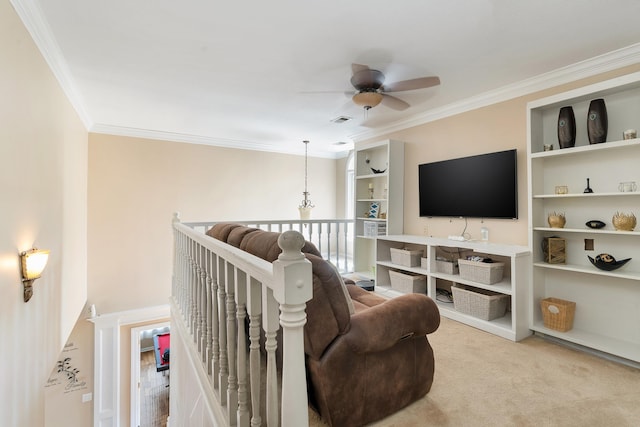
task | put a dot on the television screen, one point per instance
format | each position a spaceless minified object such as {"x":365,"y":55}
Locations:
{"x":481,"y":186}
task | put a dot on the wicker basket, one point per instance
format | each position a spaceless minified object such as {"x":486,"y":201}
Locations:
{"x":479,"y":303}
{"x":558,"y":313}
{"x":408,"y":282}
{"x":486,"y":273}
{"x":405,"y":257}
{"x":448,"y":267}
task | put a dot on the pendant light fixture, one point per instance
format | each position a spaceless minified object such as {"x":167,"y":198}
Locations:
{"x":306,"y":205}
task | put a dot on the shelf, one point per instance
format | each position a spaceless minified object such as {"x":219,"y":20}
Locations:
{"x":373,"y":175}
{"x":587,"y":230}
{"x":589,"y":269}
{"x":359,"y":236}
{"x":501,"y":326}
{"x":626,"y":349}
{"x":417,"y":270}
{"x":586,"y":195}
{"x":371,"y":200}
{"x":612,"y":145}
{"x":503,"y":287}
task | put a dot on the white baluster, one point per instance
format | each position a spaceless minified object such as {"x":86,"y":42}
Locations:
{"x":232,"y":386}
{"x":243,"y":415}
{"x":293,"y":288}
{"x":270,"y":325}
{"x":254,"y":308}
{"x":223,"y":374}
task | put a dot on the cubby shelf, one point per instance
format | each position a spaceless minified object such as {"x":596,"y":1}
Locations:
{"x":513,"y":325}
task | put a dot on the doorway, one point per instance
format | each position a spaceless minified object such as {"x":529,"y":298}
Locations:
{"x":142,"y":349}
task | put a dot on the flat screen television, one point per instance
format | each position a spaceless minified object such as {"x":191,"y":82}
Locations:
{"x":481,"y":186}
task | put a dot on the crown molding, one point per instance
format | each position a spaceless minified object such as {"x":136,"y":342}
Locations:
{"x":610,"y":61}
{"x":33,"y":20}
{"x":106,"y":129}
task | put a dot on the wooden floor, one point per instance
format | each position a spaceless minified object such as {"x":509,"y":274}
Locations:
{"x":154,"y":392}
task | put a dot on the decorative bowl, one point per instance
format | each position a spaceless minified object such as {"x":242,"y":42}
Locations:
{"x":624,"y":222}
{"x":594,"y":223}
{"x":556,"y":220}
{"x":607,"y":262}
{"x":378,"y":170}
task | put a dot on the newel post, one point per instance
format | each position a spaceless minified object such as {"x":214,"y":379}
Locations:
{"x":294,"y":287}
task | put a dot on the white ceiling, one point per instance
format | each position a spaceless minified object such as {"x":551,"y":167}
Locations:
{"x":268,"y":74}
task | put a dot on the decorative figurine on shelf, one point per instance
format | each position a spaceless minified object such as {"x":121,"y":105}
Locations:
{"x":588,"y":189}
{"x":371,"y":190}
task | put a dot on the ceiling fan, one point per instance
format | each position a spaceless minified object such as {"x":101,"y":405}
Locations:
{"x":372,"y":91}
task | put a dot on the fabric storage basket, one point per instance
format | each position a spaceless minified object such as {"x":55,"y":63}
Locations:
{"x":479,"y":303}
{"x":408,"y":282}
{"x":486,"y":273}
{"x":558,"y":314}
{"x":448,"y":267}
{"x":405,"y":257}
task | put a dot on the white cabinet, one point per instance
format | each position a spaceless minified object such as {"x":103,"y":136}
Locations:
{"x":513,"y":325}
{"x":607,"y":315}
{"x":379,"y":198}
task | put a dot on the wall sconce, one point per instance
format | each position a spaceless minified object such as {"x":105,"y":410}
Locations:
{"x":33,"y":263}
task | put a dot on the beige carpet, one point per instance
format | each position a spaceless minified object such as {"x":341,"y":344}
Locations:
{"x":484,"y":380}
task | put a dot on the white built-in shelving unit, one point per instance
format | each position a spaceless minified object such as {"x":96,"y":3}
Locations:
{"x":385,"y":189}
{"x":607,"y":316}
{"x":513,"y":325}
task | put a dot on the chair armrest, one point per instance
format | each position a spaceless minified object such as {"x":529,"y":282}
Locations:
{"x":382,"y":326}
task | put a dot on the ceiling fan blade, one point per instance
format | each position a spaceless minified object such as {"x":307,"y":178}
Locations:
{"x":393,"y":102}
{"x":315,"y":92}
{"x":419,"y":83}
{"x":355,"y":68}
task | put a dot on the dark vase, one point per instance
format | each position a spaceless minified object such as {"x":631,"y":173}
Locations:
{"x":566,"y":128}
{"x":597,"y":122}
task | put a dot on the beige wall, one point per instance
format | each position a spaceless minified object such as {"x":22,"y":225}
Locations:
{"x":63,"y":398}
{"x":135,"y":186}
{"x":43,"y":177}
{"x":501,"y":126}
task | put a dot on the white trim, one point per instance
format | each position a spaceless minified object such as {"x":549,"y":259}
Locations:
{"x":106,"y":371}
{"x":106,"y":129}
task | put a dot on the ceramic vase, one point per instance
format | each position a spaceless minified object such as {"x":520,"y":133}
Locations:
{"x":597,"y":122}
{"x":566,"y":128}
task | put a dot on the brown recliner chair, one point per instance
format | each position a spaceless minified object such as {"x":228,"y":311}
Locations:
{"x":366,"y":356}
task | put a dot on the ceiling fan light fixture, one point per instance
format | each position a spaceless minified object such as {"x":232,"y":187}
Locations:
{"x":367,"y":99}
